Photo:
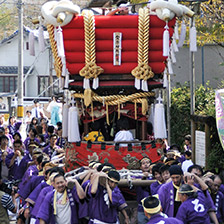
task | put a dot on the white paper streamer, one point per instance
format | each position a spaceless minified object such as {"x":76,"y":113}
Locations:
{"x":60,"y":43}
{"x":95,"y":83}
{"x":137,"y":83}
{"x":166,"y":41}
{"x":73,"y":125}
{"x":182,"y":34}
{"x":31,"y":44}
{"x":193,"y":38}
{"x":159,"y":120}
{"x":144,"y":85}
{"x":41,"y":39}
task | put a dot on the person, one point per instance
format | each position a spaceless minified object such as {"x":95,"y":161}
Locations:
{"x":25,"y":160}
{"x":188,"y":162}
{"x":44,"y":192}
{"x":152,"y":209}
{"x":4,"y":151}
{"x":154,"y":187}
{"x":14,"y":125}
{"x":168,"y":193}
{"x":27,"y":119}
{"x":59,"y":206}
{"x":196,"y":169}
{"x":10,"y":138}
{"x":143,"y":191}
{"x":187,"y":141}
{"x":164,"y":171}
{"x":52,"y":149}
{"x":105,"y":198}
{"x":13,"y":159}
{"x":55,"y":108}
{"x":121,"y":10}
{"x":123,"y":134}
{"x":2,"y":104}
{"x":217,"y":197}
{"x":95,"y":135}
{"x":193,"y":208}
{"x":7,"y":202}
{"x":197,"y":184}
{"x":33,"y":124}
{"x":37,"y":111}
{"x":31,"y":138}
{"x":61,"y":141}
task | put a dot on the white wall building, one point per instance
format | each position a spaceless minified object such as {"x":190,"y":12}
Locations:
{"x":36,"y":68}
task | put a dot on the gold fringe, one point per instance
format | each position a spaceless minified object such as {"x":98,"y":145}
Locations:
{"x":107,"y":114}
{"x":57,"y":59}
{"x":143,"y":70}
{"x":87,"y":97}
{"x":144,"y":106}
{"x":119,"y":111}
{"x":114,"y":100}
{"x":90,"y":70}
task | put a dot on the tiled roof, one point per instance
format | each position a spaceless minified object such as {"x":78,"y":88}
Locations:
{"x":12,"y":69}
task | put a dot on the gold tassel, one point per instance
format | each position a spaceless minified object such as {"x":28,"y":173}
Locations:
{"x":87,"y":97}
{"x":135,"y":110}
{"x":107,"y":114}
{"x":144,"y":106}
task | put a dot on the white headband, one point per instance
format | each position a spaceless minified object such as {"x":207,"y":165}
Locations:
{"x":124,"y":5}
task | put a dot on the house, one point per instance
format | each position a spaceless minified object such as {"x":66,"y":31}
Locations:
{"x":37,"y":69}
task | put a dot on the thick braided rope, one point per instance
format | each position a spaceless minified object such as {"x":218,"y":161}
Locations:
{"x":143,"y":70}
{"x":117,"y":99}
{"x":91,"y":70}
{"x":57,"y":59}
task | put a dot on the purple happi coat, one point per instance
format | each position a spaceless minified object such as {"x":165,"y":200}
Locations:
{"x":23,"y":165}
{"x":159,"y":219}
{"x":101,"y":208}
{"x":13,"y":170}
{"x":154,"y":187}
{"x":166,"y":196}
{"x":193,"y":210}
{"x":219,"y":206}
{"x":40,"y":199}
{"x":49,"y":150}
{"x":46,"y":212}
{"x":28,"y":140}
{"x":35,"y":193}
{"x":14,"y":128}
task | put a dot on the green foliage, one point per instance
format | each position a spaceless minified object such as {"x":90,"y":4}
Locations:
{"x":180,"y":117}
{"x":180,"y":113}
{"x":216,"y":158}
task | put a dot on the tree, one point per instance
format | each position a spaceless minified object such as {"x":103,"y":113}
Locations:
{"x":204,"y":105}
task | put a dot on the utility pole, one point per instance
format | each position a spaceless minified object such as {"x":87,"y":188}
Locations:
{"x":192,"y":89}
{"x":20,"y":109}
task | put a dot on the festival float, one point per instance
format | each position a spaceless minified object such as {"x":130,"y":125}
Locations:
{"x":109,"y":66}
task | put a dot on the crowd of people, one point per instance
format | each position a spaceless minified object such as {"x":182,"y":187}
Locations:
{"x":180,"y":193}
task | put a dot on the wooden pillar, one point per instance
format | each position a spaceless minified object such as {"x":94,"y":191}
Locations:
{"x":193,"y":126}
{"x":144,"y":130}
{"x":207,"y":144}
{"x":86,"y":128}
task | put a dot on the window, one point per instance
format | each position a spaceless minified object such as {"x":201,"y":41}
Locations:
{"x":8,"y":84}
{"x":44,"y":83}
